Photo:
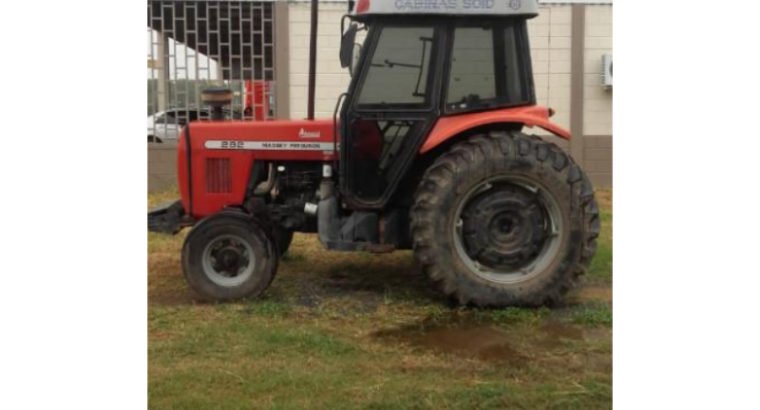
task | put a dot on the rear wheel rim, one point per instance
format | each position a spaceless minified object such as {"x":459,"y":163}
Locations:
{"x":507,"y":229}
{"x":228,"y":260}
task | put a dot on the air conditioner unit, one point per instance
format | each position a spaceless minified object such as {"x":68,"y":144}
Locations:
{"x":607,"y":70}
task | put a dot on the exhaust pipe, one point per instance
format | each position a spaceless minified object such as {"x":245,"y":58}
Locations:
{"x":217,"y":98}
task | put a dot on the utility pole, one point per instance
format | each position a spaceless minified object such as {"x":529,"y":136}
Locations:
{"x":313,"y":58}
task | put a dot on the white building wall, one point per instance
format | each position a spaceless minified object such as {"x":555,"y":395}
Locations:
{"x":550,"y":39}
{"x":332,"y":80}
{"x":597,"y":107}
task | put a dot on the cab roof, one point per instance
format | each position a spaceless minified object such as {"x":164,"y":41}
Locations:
{"x":505,"y":8}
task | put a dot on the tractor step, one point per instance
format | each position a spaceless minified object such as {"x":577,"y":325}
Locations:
{"x":347,"y":246}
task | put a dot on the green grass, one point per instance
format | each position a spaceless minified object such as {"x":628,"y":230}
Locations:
{"x":353,"y":330}
{"x":593,"y":314}
{"x":601,"y":265}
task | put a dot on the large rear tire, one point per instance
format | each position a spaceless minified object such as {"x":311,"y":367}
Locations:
{"x":504,"y":219}
{"x":229,"y":256}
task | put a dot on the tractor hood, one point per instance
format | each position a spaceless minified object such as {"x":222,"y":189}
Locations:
{"x":215,"y":158}
{"x":268,"y":140}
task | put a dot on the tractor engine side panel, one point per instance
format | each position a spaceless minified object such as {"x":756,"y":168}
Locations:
{"x":214,"y":159}
{"x":210,"y":180}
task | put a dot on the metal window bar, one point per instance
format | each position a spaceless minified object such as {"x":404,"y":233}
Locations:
{"x":195,"y":44}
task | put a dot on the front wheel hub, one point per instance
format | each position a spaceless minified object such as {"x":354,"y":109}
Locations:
{"x":228,"y":260}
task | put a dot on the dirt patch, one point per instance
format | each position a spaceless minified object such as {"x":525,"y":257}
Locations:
{"x":163,"y":297}
{"x":323,"y":278}
{"x":467,"y":337}
{"x":554,"y":334}
{"x":167,"y":287}
{"x":479,"y":342}
{"x":589,"y":294}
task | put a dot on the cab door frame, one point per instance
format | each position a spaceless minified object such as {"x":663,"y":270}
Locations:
{"x":351,"y":111}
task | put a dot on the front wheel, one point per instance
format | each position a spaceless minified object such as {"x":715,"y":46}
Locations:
{"x":504,"y":219}
{"x":229,"y":256}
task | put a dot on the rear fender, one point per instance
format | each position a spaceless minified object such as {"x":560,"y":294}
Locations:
{"x":530,"y":116}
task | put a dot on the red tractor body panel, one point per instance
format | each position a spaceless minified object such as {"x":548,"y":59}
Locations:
{"x":222,"y":154}
{"x":533,"y":115}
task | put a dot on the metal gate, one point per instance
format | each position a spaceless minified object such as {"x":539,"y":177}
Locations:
{"x":196,"y":44}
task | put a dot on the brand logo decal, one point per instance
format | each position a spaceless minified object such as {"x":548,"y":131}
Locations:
{"x":309,"y":134}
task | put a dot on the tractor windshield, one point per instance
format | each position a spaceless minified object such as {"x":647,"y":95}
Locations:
{"x":398,"y":70}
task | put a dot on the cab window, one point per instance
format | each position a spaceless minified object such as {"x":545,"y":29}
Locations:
{"x":487,"y":68}
{"x":399,"y":70}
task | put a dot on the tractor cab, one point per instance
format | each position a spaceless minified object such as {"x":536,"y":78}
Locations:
{"x":421,"y":61}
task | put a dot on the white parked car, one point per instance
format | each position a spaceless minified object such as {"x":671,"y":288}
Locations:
{"x":166,"y":125}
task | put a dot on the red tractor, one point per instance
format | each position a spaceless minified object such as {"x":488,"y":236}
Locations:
{"x":426,"y":151}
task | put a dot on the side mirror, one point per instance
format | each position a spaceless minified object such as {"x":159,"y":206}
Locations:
{"x":347,"y":46}
{"x":357,"y":52}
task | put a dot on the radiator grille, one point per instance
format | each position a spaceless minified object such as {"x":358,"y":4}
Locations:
{"x":218,"y":176}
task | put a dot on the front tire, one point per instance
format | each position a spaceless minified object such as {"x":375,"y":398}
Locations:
{"x":229,"y":256}
{"x":504,"y":219}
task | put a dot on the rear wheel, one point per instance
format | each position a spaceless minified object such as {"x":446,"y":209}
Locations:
{"x":505,"y":219}
{"x":229,"y":256}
